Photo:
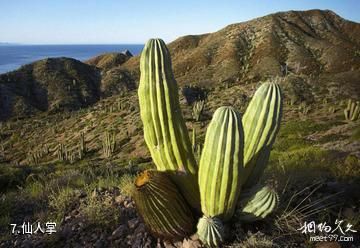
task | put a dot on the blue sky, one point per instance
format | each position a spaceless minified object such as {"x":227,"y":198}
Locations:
{"x":135,"y":21}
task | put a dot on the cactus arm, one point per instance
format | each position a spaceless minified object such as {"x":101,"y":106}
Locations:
{"x":164,"y":128}
{"x":257,"y":203}
{"x":221,"y":163}
{"x":220,"y":167}
{"x":261,"y":124}
{"x":165,"y":131}
{"x":260,"y":161}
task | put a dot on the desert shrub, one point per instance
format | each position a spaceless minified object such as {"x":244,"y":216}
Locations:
{"x":12,"y":176}
{"x":60,"y":201}
{"x":297,"y":90}
{"x":100,"y":211}
{"x":126,"y":184}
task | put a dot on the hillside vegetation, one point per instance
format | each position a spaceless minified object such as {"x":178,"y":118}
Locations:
{"x":71,"y":138}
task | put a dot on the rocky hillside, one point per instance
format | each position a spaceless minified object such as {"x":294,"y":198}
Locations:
{"x":109,"y":60}
{"x":314,"y":44}
{"x":315,"y":48}
{"x":48,"y":85}
{"x":76,"y":167}
{"x":57,"y":84}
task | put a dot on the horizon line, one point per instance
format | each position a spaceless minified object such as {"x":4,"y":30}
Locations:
{"x":70,"y":44}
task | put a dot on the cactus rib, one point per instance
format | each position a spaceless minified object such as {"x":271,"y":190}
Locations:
{"x":165,"y":131}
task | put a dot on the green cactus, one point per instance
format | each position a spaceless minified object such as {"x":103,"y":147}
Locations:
{"x":220,"y":167}
{"x":82,"y":145}
{"x":211,"y":229}
{"x":198,"y":108}
{"x":352,"y":111}
{"x":257,"y":203}
{"x":165,"y":131}
{"x":261,"y":124}
{"x":161,"y":205}
{"x":304,"y":109}
{"x":61,"y":152}
{"x":108,"y":144}
{"x":332,"y":110}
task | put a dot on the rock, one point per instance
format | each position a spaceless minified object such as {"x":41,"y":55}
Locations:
{"x":328,"y":245}
{"x":100,"y":243}
{"x":194,"y":237}
{"x":120,"y":199}
{"x":127,"y":53}
{"x":189,"y":243}
{"x":119,"y":232}
{"x":68,"y":217}
{"x":133,"y":223}
{"x":140,"y":229}
{"x":26,"y":244}
{"x":168,"y":244}
{"x":94,"y":193}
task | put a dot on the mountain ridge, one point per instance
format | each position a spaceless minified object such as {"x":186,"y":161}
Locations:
{"x":314,"y":45}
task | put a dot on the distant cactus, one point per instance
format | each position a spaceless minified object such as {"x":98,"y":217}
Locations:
{"x":332,"y":110}
{"x":221,"y":165}
{"x":165,"y":131}
{"x":61,"y":152}
{"x":35,"y":156}
{"x":352,"y":111}
{"x":198,"y":109}
{"x":108,"y":144}
{"x":159,"y":202}
{"x":82,"y":143}
{"x":304,"y":109}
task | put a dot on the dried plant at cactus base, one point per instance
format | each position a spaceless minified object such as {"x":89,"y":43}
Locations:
{"x":161,"y":205}
{"x":165,"y":131}
{"x":220,"y":167}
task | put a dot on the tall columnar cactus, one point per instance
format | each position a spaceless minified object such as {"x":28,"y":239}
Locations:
{"x":82,"y":143}
{"x":257,"y":203}
{"x":198,"y":108}
{"x":165,"y":131}
{"x":261,"y":124}
{"x":108,"y":144}
{"x":162,"y":206}
{"x":352,"y":111}
{"x":220,"y":167}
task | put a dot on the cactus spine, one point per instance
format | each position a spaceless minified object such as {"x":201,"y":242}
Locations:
{"x":165,"y":131}
{"x":352,"y":111}
{"x":257,"y":203}
{"x":261,"y":124}
{"x":220,"y":167}
{"x":161,"y":205}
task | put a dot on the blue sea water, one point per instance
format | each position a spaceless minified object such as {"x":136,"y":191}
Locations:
{"x":14,"y":56}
